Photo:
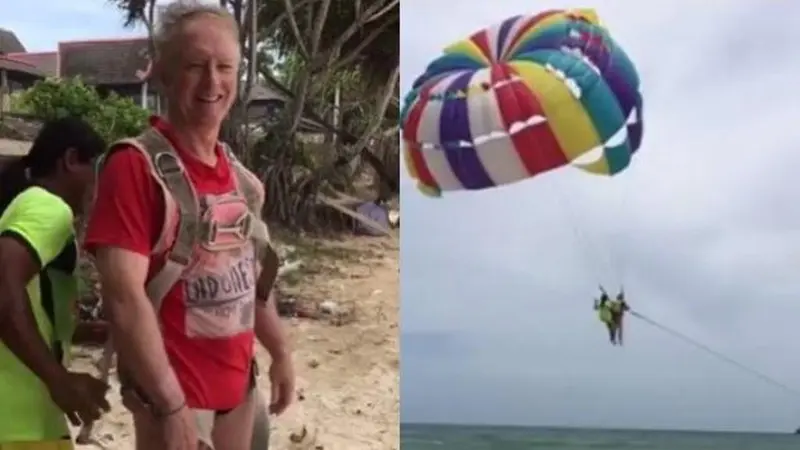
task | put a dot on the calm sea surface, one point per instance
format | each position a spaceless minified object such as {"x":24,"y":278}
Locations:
{"x":452,"y":437}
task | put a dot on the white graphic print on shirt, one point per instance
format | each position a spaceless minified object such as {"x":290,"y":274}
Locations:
{"x":220,"y":287}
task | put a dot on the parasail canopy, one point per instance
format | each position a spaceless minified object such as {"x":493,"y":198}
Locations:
{"x":523,"y":97}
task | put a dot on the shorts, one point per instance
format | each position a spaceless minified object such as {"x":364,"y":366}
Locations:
{"x":204,"y":418}
{"x":127,"y":383}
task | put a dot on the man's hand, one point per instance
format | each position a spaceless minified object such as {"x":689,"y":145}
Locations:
{"x":269,"y":331}
{"x":132,"y":401}
{"x":81,"y":396}
{"x":178,"y":427}
{"x":180,"y":430}
{"x":281,"y":379}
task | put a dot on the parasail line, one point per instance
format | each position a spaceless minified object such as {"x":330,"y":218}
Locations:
{"x":721,"y":356}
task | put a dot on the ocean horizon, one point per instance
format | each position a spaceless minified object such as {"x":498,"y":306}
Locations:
{"x":425,"y":436}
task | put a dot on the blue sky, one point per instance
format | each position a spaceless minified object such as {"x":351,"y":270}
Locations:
{"x":41,"y":24}
{"x":703,"y":229}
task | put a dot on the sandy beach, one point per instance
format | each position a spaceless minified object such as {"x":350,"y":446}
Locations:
{"x":347,"y":361}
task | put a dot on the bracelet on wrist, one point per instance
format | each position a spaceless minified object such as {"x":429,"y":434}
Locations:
{"x":170,"y":412}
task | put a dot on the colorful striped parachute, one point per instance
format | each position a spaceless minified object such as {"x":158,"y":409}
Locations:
{"x":529,"y":95}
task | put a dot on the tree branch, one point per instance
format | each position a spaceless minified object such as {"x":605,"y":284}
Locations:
{"x":350,"y":58}
{"x":301,"y":46}
{"x":305,"y":81}
{"x":380,"y":13}
{"x":252,"y":61}
{"x":372,"y":129}
{"x":270,"y":29}
{"x":346,"y":136}
{"x":335,"y":48}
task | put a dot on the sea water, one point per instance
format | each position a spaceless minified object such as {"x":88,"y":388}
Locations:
{"x":453,"y":437}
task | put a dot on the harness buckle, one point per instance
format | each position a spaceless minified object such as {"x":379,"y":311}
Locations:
{"x":167,"y":164}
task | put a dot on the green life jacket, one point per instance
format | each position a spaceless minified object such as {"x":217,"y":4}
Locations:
{"x":43,"y":221}
{"x":604,"y":312}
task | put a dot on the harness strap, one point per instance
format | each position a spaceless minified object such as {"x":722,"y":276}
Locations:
{"x":180,"y":195}
{"x":251,"y":188}
{"x":180,"y":200}
{"x":248,"y":185}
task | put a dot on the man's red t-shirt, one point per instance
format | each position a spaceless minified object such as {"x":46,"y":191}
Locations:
{"x":129,"y":213}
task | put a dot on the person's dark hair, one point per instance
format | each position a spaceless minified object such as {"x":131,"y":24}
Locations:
{"x":49,"y":147}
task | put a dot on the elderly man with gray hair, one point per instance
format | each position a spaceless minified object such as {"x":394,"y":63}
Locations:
{"x":185,"y":260}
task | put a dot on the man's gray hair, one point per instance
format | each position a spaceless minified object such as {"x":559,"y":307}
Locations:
{"x":173,"y":16}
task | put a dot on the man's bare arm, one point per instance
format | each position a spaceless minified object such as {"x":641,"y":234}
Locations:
{"x":134,"y":326}
{"x":269,"y":329}
{"x":268,"y":326}
{"x":18,"y":329}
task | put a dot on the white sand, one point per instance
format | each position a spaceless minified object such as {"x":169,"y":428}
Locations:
{"x":347,"y":375}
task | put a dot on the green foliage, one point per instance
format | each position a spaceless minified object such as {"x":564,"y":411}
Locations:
{"x":355,"y":108}
{"x":16,"y":103}
{"x":114,"y":117}
{"x":376,"y":61}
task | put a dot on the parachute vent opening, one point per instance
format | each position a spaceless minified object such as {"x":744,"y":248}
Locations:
{"x":473,"y":89}
{"x":515,"y":128}
{"x":571,"y":84}
{"x":483,"y":88}
{"x":590,"y":157}
{"x":578,"y":53}
{"x":633,"y":117}
{"x":597,"y":153}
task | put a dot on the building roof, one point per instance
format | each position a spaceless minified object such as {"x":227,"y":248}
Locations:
{"x":262,"y":93}
{"x":266,"y":101}
{"x":45,"y":62}
{"x":19,"y":68}
{"x":9,"y":43}
{"x":105,"y":62}
{"x":117,"y":62}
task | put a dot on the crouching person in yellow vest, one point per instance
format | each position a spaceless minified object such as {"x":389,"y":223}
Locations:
{"x":184,"y":258}
{"x":605,"y":315}
{"x":40,"y":195}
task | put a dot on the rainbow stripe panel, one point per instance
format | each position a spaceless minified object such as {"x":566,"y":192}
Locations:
{"x":529,"y":95}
